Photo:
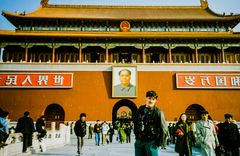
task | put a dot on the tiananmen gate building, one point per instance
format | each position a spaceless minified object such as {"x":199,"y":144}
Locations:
{"x":62,"y":60}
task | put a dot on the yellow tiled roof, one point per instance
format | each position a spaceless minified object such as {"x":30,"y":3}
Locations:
{"x":124,"y":13}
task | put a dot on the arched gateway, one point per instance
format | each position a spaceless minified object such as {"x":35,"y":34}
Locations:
{"x":123,"y":103}
{"x":194,"y":112}
{"x":54,"y":113}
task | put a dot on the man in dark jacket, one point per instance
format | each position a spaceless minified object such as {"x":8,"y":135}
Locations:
{"x":40,"y":127}
{"x":26,"y":127}
{"x":149,"y":127}
{"x":97,"y":130}
{"x":80,"y":129}
{"x":229,"y":136}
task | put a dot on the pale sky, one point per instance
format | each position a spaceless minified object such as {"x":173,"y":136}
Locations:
{"x":218,"y":6}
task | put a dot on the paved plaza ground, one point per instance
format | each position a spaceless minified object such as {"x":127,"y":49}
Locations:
{"x":113,"y":149}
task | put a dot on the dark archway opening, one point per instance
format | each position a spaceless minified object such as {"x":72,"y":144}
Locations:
{"x":194,"y":112}
{"x":54,"y":113}
{"x":120,"y":104}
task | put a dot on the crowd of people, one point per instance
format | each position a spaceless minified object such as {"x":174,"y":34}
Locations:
{"x":152,"y":132}
{"x":214,"y":139}
{"x":150,"y":128}
{"x":25,"y":126}
{"x":103,"y":132}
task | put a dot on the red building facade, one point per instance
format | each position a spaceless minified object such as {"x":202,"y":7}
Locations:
{"x":60,"y":61}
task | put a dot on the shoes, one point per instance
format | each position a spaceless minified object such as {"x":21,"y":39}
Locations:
{"x":2,"y":144}
{"x":40,"y":139}
{"x":79,"y":153}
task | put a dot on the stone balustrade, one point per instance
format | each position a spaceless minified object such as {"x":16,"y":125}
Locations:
{"x":53,"y":139}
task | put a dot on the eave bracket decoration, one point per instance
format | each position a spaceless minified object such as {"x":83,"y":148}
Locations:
{"x":44,"y":3}
{"x":125,"y":26}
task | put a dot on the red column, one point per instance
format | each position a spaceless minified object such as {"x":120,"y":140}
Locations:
{"x":53,"y":54}
{"x":106,"y":54}
{"x":143,"y":55}
{"x":170,"y":54}
{"x":223,"y":55}
{"x":80,"y":54}
{"x":26,"y":54}
{"x":196,"y":55}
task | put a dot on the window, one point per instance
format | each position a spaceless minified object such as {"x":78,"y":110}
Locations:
{"x":237,"y":58}
{"x":115,"y":57}
{"x":45,"y":57}
{"x":231,"y":58}
{"x":135,"y":57}
{"x":205,"y":58}
{"x":179,"y":58}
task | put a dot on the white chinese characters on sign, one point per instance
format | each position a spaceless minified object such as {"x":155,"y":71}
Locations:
{"x":221,"y":81}
{"x":58,"y":80}
{"x":205,"y":80}
{"x":11,"y":80}
{"x":235,"y":81}
{"x":208,"y":80}
{"x":36,"y":80}
{"x":43,"y":79}
{"x":27,"y":80}
{"x":190,"y":80}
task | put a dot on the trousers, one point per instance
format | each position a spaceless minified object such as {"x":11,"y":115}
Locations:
{"x":27,"y":141}
{"x":143,"y":148}
{"x":97,"y":138}
{"x":80,"y":143}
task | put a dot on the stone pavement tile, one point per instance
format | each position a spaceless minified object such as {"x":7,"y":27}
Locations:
{"x":113,"y":149}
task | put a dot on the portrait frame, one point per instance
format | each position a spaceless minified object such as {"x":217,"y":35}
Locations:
{"x":129,"y":92}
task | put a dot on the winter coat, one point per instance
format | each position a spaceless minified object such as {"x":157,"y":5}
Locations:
{"x":25,"y":125}
{"x":150,"y":123}
{"x":80,"y":128}
{"x":186,"y":140}
{"x":40,"y":124}
{"x":4,"y":125}
{"x":122,"y":134}
{"x":128,"y":130}
{"x":206,"y":137}
{"x":111,"y":131}
{"x":105,"y":128}
{"x":229,"y":135}
{"x":4,"y":129}
{"x":97,"y":128}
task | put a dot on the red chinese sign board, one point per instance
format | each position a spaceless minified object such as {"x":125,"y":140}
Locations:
{"x":36,"y":80}
{"x":208,"y":81}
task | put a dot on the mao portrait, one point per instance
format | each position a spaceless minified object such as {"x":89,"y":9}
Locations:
{"x":124,"y":82}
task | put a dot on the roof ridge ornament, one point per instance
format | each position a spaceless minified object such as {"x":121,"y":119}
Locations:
{"x":204,"y":4}
{"x":44,"y":3}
